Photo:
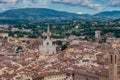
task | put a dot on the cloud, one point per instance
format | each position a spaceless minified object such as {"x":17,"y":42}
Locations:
{"x":115,"y":3}
{"x":79,"y":12}
{"x":14,"y":4}
{"x":82,"y":3}
{"x":89,"y":4}
{"x":7,"y":1}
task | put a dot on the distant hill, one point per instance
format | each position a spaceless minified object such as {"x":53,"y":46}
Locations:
{"x":43,"y":13}
{"x":108,"y":15}
{"x":37,"y":13}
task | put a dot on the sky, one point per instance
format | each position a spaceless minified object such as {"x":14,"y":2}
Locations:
{"x":73,"y":6}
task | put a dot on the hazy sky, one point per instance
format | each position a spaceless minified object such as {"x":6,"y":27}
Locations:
{"x":74,"y":6}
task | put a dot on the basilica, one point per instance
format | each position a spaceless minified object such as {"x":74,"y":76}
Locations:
{"x":48,"y":48}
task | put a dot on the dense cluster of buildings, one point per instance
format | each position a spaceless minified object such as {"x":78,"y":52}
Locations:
{"x":38,"y":59}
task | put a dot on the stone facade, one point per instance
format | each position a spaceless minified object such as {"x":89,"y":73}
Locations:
{"x":110,"y":74}
{"x":80,"y":75}
{"x":48,"y":48}
{"x":52,"y":76}
{"x":56,"y":77}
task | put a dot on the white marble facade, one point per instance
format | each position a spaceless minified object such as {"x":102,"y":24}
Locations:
{"x":48,"y":48}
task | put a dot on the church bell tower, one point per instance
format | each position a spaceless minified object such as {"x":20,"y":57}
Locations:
{"x":113,"y":64}
{"x":48,"y":32}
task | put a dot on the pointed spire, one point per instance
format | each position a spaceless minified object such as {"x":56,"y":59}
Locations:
{"x":48,"y":32}
{"x":48,"y":29}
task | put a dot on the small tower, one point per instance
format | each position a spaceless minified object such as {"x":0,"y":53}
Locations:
{"x":113,"y":64}
{"x":97,"y":34}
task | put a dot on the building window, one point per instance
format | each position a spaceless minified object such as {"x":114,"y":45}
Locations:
{"x":111,"y":59}
{"x":47,"y":43}
{"x":115,"y":59}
